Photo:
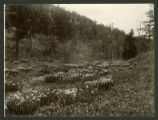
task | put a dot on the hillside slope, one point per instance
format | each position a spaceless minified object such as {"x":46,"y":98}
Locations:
{"x":131,"y":95}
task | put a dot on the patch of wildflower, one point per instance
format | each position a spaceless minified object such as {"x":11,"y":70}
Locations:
{"x":66,"y":96}
{"x":54,"y":77}
{"x":11,"y":71}
{"x":20,"y":104}
{"x":72,"y":73}
{"x":103,"y":82}
{"x":24,"y":69}
{"x":28,"y":102}
{"x":86,"y":94}
{"x":24,"y":103}
{"x":71,"y":91}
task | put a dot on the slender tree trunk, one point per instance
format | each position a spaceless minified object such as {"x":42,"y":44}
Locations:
{"x":120,"y":54}
{"x":112,"y":52}
{"x":51,"y":49}
{"x":92,"y":52}
{"x":17,"y":36}
{"x":17,"y":45}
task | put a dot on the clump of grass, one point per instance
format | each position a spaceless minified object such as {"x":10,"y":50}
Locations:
{"x":66,"y":99}
{"x":25,"y":69}
{"x":86,"y":94}
{"x":11,"y":87}
{"x":44,"y":71}
{"x":22,"y":104}
{"x":103,"y":83}
{"x":12,"y":72}
{"x":53,"y":78}
{"x":24,"y":108}
{"x":27,"y":103}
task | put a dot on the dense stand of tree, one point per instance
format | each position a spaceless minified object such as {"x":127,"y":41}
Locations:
{"x":48,"y":32}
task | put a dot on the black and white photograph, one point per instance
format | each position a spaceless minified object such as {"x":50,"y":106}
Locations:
{"x":79,"y":60}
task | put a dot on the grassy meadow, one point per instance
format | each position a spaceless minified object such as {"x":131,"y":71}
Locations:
{"x":98,"y":88}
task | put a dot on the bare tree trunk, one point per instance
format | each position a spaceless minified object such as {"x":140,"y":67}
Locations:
{"x":112,"y":56}
{"x":51,"y":50}
{"x":17,"y":46}
{"x":17,"y":37}
{"x":120,"y":54}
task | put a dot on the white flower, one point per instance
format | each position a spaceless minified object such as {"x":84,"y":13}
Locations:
{"x":16,"y":96}
{"x":27,"y":97}
{"x":92,"y":91}
{"x":34,"y":98}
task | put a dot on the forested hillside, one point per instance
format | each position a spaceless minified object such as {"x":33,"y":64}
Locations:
{"x":49,"y":32}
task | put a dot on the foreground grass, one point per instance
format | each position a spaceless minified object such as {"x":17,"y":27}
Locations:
{"x":131,"y":95}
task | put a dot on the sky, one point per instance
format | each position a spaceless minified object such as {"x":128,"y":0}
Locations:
{"x":123,"y":16}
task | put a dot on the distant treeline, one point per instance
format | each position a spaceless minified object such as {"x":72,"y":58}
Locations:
{"x":49,"y":32}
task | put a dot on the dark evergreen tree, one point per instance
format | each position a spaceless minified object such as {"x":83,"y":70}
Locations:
{"x":130,"y":49}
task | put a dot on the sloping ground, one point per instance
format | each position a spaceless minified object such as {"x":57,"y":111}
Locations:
{"x":40,"y":84}
{"x":144,"y":58}
{"x":131,"y":95}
